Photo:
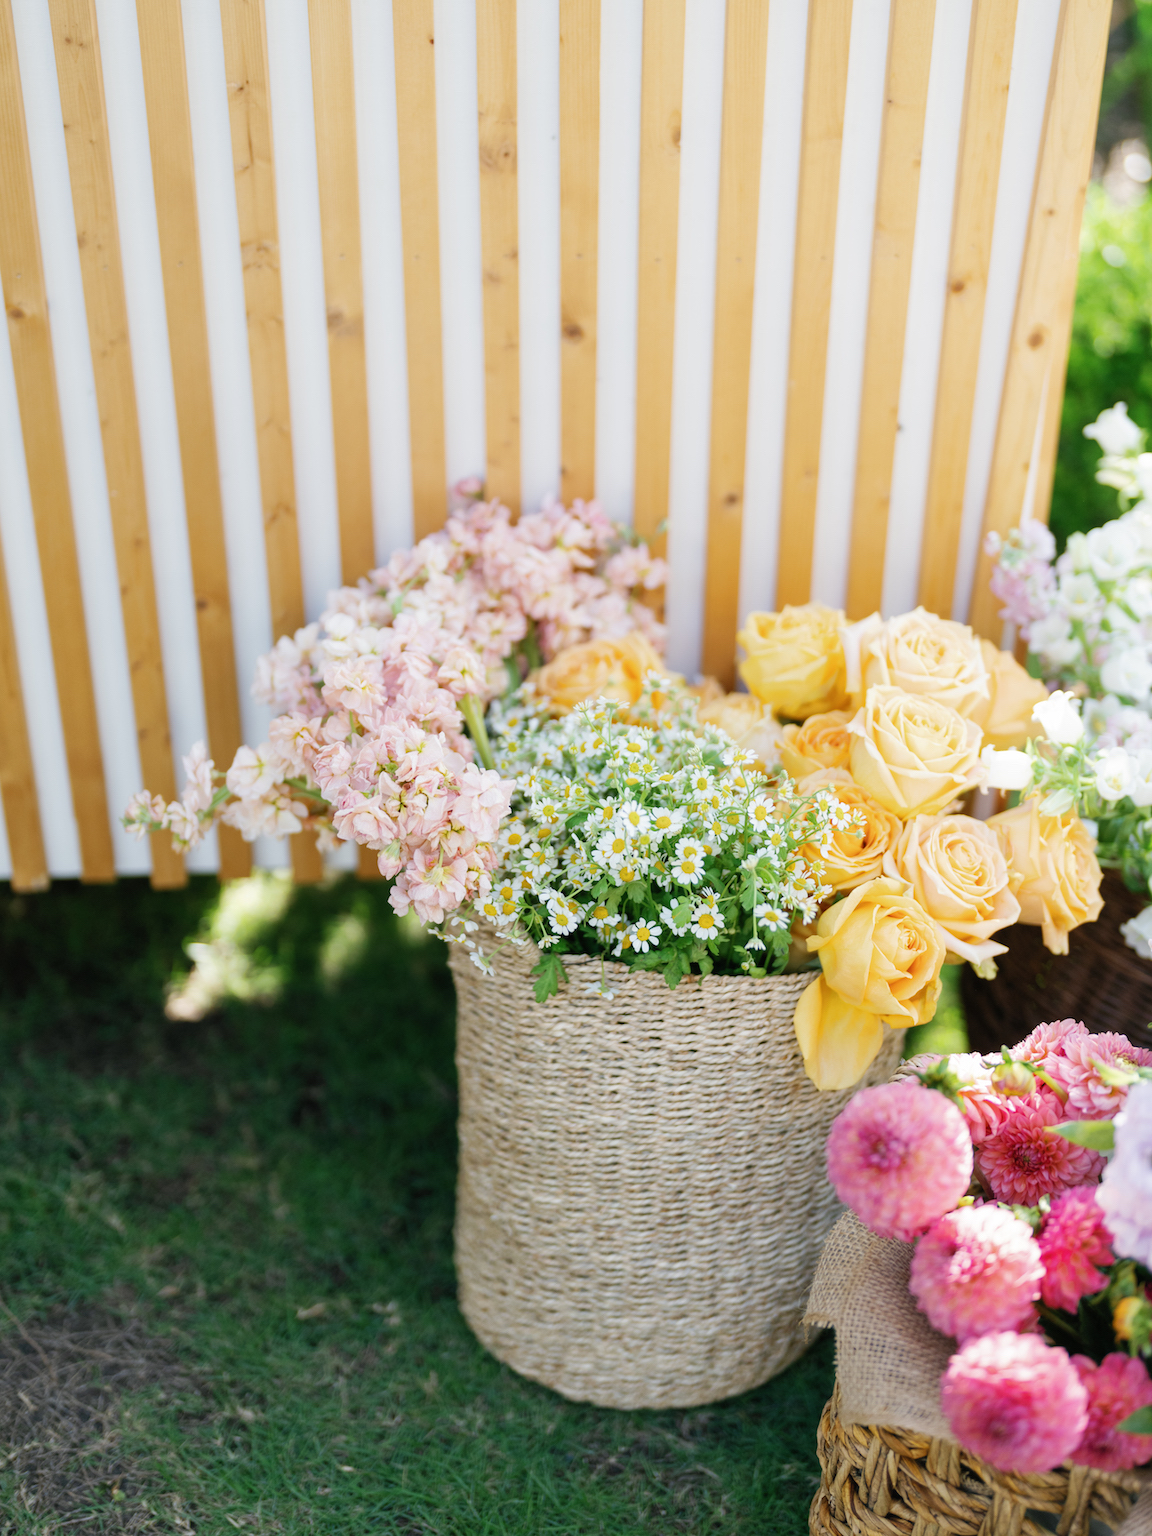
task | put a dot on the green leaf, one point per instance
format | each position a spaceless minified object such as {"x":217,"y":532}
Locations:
{"x":549,"y":972}
{"x":1099,"y":1135}
{"x":706,"y":965}
{"x":1138,"y":1423}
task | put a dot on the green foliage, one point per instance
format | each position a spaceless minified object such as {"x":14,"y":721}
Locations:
{"x":270,"y":1190}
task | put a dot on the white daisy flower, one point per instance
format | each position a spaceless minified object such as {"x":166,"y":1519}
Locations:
{"x":707,"y":923}
{"x":563,"y":913}
{"x":632,"y":818}
{"x":643,"y":935}
{"x":688,"y":864}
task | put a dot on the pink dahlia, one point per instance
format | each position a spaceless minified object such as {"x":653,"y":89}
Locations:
{"x":1048,"y":1041}
{"x":1015,"y":1401}
{"x":1026,"y":1159}
{"x":1078,"y":1070}
{"x":1073,"y":1241}
{"x":899,"y":1155}
{"x":983,"y":1108}
{"x":976,"y":1271}
{"x":1116,"y":1387}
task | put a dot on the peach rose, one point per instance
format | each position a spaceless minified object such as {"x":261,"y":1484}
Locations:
{"x":794,"y":660}
{"x":821,"y":742}
{"x":749,"y":724}
{"x":1006,"y":719}
{"x":956,"y":869}
{"x":921,"y":654}
{"x":880,"y":958}
{"x":854,"y":854}
{"x":912,"y":753}
{"x":607,"y":669}
{"x":1055,"y":856}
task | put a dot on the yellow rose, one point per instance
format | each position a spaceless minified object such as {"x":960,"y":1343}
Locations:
{"x":854,"y":854}
{"x":821,"y":742}
{"x":913,"y":754}
{"x":1006,"y":719}
{"x":956,"y":869}
{"x":880,"y":958}
{"x":921,"y":654}
{"x":794,"y":660}
{"x":607,"y":669}
{"x":1056,"y":859}
{"x":749,"y":724}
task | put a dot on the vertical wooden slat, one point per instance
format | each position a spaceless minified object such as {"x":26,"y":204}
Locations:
{"x":17,"y":775}
{"x":81,"y":80}
{"x":1054,"y":404}
{"x":661,"y":90}
{"x":825,"y":84}
{"x":246,"y":62}
{"x":26,"y":303}
{"x":414,"y":40}
{"x":334,"y":102}
{"x":897,"y":192}
{"x":499,"y":240}
{"x":993,"y":29}
{"x":742,"y":130}
{"x":170,"y":139}
{"x":579,"y":230}
{"x":1038,"y":348}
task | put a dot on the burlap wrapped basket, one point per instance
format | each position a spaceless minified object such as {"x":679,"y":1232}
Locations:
{"x":642,"y":1198}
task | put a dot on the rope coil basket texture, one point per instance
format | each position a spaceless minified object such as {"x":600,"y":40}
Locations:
{"x":642,"y":1198}
{"x":897,"y":1482}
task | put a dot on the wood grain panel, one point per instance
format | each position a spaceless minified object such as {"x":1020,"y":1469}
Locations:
{"x":334,"y":103}
{"x":991,"y":37}
{"x":499,"y":241}
{"x":661,"y":90}
{"x":81,"y":80}
{"x":17,"y":774}
{"x":246,"y":62}
{"x":897,"y":194}
{"x":825,"y":83}
{"x":170,"y":140}
{"x":1038,"y":348}
{"x":579,"y":233}
{"x":26,"y":305}
{"x":414,"y":39}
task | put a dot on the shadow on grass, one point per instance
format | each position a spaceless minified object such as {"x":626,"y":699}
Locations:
{"x":266,"y":1193}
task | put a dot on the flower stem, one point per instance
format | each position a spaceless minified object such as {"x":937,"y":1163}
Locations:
{"x":474,"y":720}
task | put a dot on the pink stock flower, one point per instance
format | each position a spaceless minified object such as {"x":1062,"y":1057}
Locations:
{"x":1117,"y":1387}
{"x":1073,"y":1241}
{"x":1077,"y":1070}
{"x":1026,"y":1158}
{"x":899,"y":1156}
{"x":977,"y":1270}
{"x":198,"y":789}
{"x":1014,"y":1401}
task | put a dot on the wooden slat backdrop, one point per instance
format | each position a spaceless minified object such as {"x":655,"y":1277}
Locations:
{"x":726,"y":444}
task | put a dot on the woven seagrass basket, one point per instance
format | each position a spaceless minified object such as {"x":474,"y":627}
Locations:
{"x":642,"y":1199}
{"x":895,"y":1482}
{"x":1100,"y":980}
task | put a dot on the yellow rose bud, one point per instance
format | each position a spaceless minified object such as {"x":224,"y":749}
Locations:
{"x":880,"y":951}
{"x":1124,"y":1315}
{"x":1055,"y":858}
{"x":920,"y":653}
{"x":607,"y":669}
{"x":1006,"y":719}
{"x":912,"y":753}
{"x":821,"y":742}
{"x":794,"y":661}
{"x":856,"y":853}
{"x":956,"y":868}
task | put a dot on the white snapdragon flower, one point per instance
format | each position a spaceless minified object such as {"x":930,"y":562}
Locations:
{"x":1137,"y":933}
{"x":1059,"y":718}
{"x":1140,"y":778}
{"x":1115,"y":430}
{"x":1111,"y":551}
{"x":1079,"y":594}
{"x":1113,"y":774}
{"x":1128,"y":673}
{"x":1142,"y":473}
{"x":1006,"y":770}
{"x":1052,"y":638}
{"x":1139,"y":523}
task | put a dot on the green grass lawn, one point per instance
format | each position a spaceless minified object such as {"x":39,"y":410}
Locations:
{"x":263,"y":1196}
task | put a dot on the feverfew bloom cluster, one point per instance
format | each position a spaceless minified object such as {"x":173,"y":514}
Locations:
{"x":650,"y":838}
{"x":1032,"y":1251}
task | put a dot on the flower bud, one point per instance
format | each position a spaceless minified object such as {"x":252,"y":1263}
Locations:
{"x":1013,"y":1079}
{"x":1126,"y":1315}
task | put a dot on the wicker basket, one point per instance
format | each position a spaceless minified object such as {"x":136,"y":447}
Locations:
{"x":1100,"y":980}
{"x":642,"y":1199}
{"x":895,"y":1482}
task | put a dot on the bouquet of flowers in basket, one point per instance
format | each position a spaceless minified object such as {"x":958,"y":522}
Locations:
{"x":1026,"y":1184}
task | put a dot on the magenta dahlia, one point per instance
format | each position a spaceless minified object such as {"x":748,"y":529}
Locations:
{"x":899,"y":1155}
{"x":1026,"y":1159}
{"x":977,"y":1270}
{"x":1015,"y":1401}
{"x":1077,"y":1069}
{"x":1116,"y":1387}
{"x":1073,"y":1241}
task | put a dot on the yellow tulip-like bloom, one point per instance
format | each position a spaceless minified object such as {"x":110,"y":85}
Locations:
{"x":911,"y":752}
{"x":1055,"y":857}
{"x":794,"y":661}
